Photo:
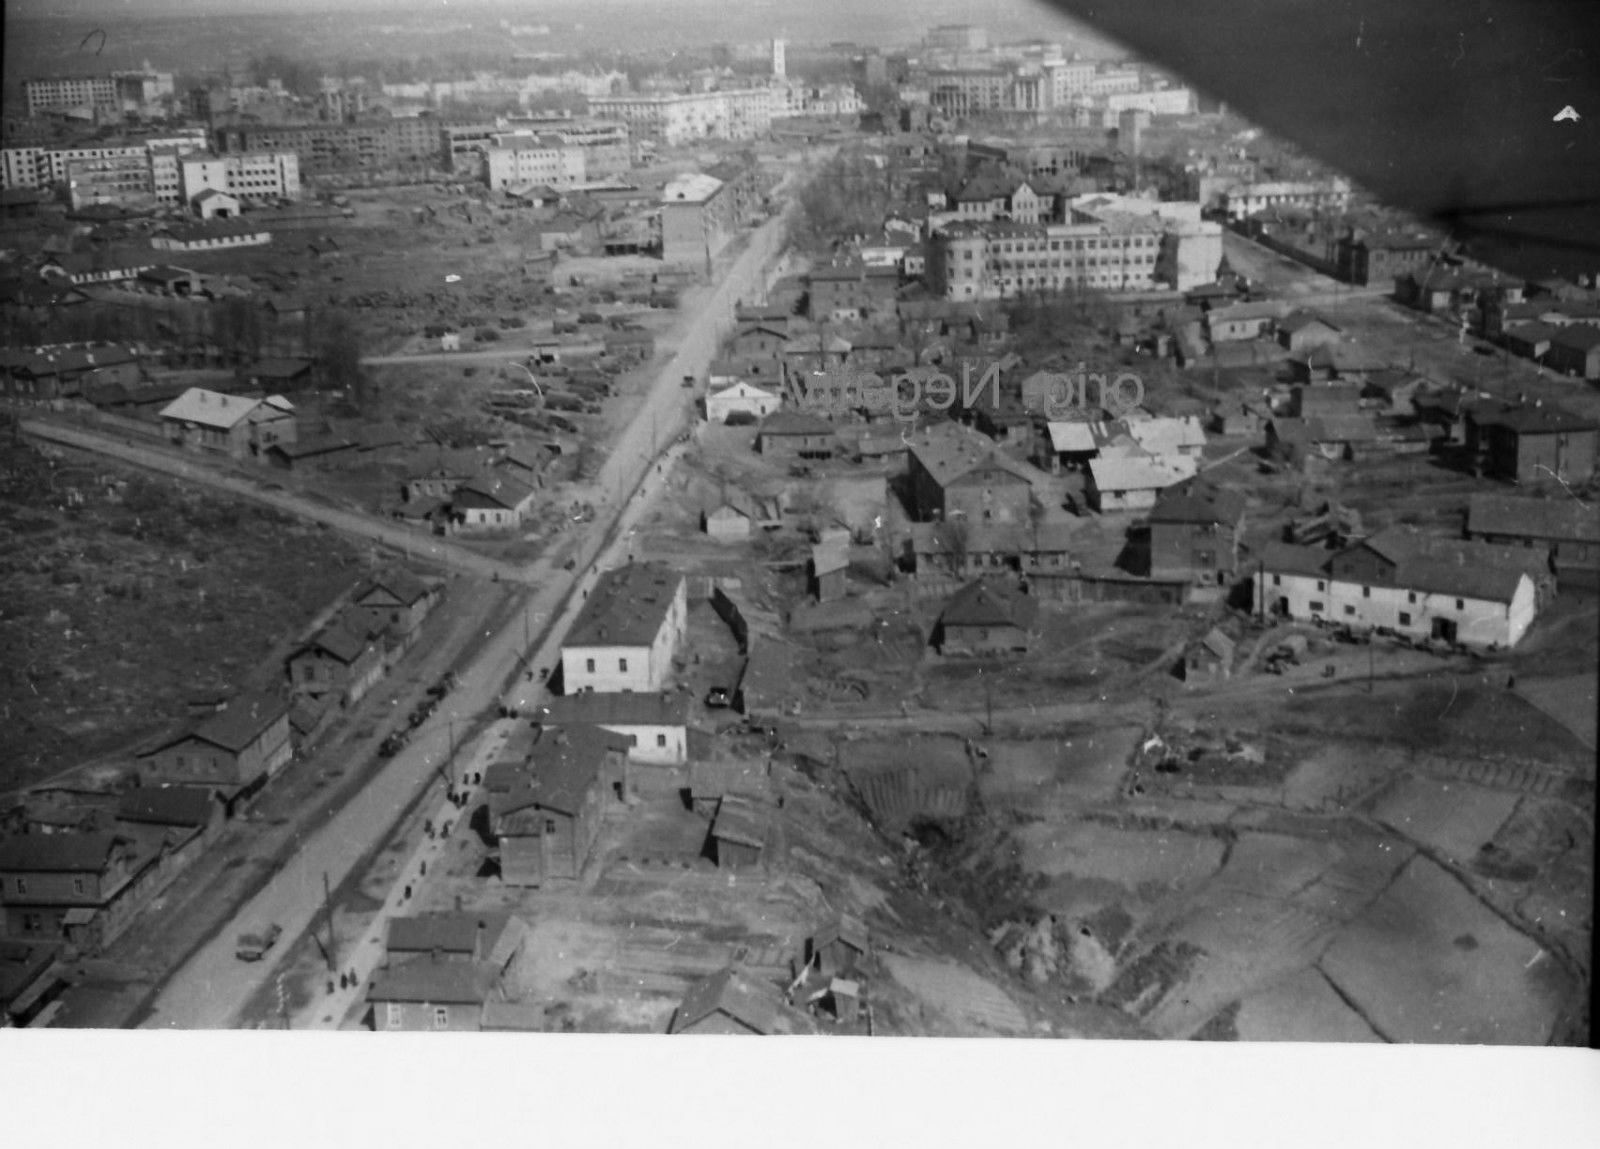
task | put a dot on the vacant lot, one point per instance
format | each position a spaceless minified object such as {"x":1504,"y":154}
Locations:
{"x":123,"y":595}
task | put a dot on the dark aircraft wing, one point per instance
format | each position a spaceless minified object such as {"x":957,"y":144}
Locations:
{"x":1445,"y":107}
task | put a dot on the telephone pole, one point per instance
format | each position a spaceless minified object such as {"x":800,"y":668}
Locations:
{"x":327,"y":901}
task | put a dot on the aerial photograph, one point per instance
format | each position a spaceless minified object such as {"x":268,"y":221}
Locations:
{"x":1011,"y":519}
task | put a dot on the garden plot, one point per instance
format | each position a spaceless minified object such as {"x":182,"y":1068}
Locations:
{"x":1249,"y":926}
{"x":1335,"y":777}
{"x":1091,"y":865}
{"x":1079,"y":770}
{"x":1452,"y":817}
{"x":1428,"y":962}
{"x":1302,"y":1007}
{"x":958,"y":993}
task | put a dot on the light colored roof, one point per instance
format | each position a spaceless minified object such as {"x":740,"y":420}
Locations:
{"x":1073,"y":436}
{"x":1162,"y":435}
{"x":1140,"y":473}
{"x":697,"y":187}
{"x":210,"y":408}
{"x":829,"y":557}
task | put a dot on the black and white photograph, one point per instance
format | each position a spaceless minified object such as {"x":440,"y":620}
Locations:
{"x":581,"y":523}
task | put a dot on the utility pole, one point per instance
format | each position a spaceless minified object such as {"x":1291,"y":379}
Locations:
{"x":327,"y":901}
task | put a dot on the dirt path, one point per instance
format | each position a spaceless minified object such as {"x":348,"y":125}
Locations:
{"x":346,"y":522}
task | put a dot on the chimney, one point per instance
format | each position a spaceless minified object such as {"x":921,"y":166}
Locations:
{"x":478,"y":950}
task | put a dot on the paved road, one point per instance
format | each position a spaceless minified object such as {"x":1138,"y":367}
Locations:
{"x":350,"y":523}
{"x":212,"y":988}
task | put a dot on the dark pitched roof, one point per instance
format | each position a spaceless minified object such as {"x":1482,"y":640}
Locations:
{"x":626,"y":607}
{"x":1195,"y":501}
{"x":423,"y":980}
{"x":60,"y":853}
{"x":402,"y":584}
{"x":246,"y":718}
{"x":843,"y":928}
{"x":1577,"y":336}
{"x":1300,"y":319}
{"x":1287,"y":558}
{"x":985,"y":602}
{"x":1530,"y":418}
{"x":167,"y":806}
{"x":754,"y":1004}
{"x":739,"y":821}
{"x":455,"y":933}
{"x":633,"y":709}
{"x":1517,"y":516}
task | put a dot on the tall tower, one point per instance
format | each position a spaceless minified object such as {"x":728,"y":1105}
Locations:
{"x":777,"y":59}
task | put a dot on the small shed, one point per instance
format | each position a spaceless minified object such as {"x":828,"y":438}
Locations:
{"x":839,"y":948}
{"x":739,"y":834}
{"x":1209,"y":660}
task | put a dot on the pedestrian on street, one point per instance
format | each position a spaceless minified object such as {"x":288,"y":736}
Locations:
{"x":407,"y":898}
{"x":423,"y":870}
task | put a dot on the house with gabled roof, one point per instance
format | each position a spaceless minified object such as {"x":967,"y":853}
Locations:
{"x":31,"y":977}
{"x":840,"y":948}
{"x":796,"y":435}
{"x":393,"y":601}
{"x":1403,"y":582}
{"x":1302,"y":330}
{"x":233,"y":425}
{"x":731,"y":1002}
{"x":233,"y":751}
{"x":1575,"y":350}
{"x":744,"y":398}
{"x":967,"y":549}
{"x":1207,"y":659}
{"x":1242,"y":321}
{"x":492,"y":501}
{"x":546,"y":817}
{"x":658,"y":722}
{"x":342,"y":660}
{"x":826,"y":571}
{"x":81,"y":888}
{"x":955,"y":472}
{"x":1567,"y":527}
{"x":987,"y":616}
{"x":1132,"y":482}
{"x":1195,"y":531}
{"x":442,"y":989}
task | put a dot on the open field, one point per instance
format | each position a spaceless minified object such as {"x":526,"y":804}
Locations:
{"x":128,"y":593}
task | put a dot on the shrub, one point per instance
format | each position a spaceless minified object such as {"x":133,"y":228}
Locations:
{"x":487,"y":335}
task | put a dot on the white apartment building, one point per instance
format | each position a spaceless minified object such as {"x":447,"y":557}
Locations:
{"x":518,"y":159}
{"x":1000,"y":260}
{"x":44,"y":166}
{"x":247,"y":175}
{"x":1156,"y":101}
{"x":740,"y":114}
{"x":1245,"y":199}
{"x":630,"y":628}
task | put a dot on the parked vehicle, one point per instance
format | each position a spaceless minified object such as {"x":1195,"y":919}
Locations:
{"x":717,"y":698}
{"x":254,"y":946}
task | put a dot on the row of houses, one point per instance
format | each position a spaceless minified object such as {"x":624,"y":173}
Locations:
{"x":453,"y":972}
{"x":463,"y":491}
{"x":78,"y":875}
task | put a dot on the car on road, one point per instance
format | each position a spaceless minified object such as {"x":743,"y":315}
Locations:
{"x":254,"y":946}
{"x":444,"y":686}
{"x":717,"y":698}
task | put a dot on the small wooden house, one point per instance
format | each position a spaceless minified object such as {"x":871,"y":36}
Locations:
{"x":738,"y":834}
{"x":840,"y":948}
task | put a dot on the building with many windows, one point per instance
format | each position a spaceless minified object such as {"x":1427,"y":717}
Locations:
{"x":60,"y":93}
{"x":738,"y":114}
{"x":368,"y":145}
{"x":1001,"y":259}
{"x":248,"y":175}
{"x":514,"y":159}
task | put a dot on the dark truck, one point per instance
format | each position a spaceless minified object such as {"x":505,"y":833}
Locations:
{"x":254,"y":947}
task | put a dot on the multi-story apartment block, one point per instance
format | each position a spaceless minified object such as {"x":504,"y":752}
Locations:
{"x":607,"y":145}
{"x":369,"y":145}
{"x":998,"y":260}
{"x":59,"y":93}
{"x":515,"y":158}
{"x":740,"y":114}
{"x":1245,"y":199}
{"x":630,"y":628}
{"x":122,"y":179}
{"x":249,"y":175}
